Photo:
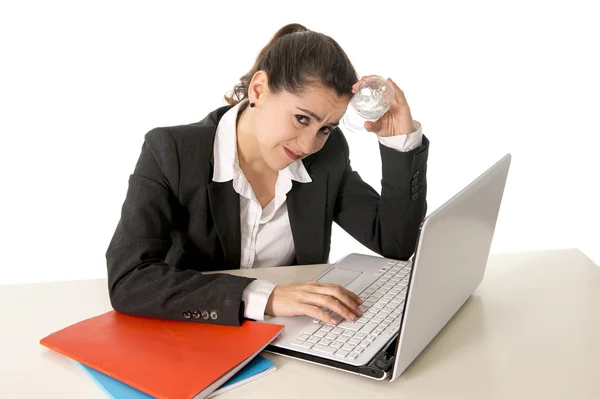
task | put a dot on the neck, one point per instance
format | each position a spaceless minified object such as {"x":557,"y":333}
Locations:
{"x":249,"y":156}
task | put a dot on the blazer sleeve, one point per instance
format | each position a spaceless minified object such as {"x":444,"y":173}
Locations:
{"x":386,"y":224}
{"x":140,"y":282}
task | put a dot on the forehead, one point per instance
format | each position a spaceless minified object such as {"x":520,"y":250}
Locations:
{"x":319,"y":99}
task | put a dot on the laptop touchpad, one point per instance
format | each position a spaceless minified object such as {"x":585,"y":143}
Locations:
{"x":339,"y":276}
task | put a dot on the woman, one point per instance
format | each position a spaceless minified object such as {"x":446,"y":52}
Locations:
{"x":258,"y":183}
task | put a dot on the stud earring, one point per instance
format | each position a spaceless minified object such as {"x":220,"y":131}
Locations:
{"x":251,"y":105}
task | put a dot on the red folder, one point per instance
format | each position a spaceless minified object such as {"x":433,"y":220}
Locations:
{"x":163,"y":358}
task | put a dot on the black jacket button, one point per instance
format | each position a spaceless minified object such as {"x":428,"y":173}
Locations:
{"x":205,"y":315}
{"x":187,"y":314}
{"x":214,"y":315}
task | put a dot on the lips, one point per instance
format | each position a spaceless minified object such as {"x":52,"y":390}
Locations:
{"x":291,"y":154}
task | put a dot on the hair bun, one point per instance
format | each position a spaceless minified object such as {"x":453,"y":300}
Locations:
{"x":289,"y":29}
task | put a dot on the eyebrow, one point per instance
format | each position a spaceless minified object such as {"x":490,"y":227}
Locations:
{"x":317,"y":117}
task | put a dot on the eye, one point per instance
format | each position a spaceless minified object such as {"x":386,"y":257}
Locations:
{"x":326,"y":130}
{"x":305,"y":120}
{"x":299,"y":118}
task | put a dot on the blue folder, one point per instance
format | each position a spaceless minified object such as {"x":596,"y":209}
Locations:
{"x":258,"y":367}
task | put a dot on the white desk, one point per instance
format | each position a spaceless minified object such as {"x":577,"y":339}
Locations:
{"x":531,"y":330}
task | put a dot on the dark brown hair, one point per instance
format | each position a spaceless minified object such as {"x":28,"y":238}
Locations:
{"x":296,"y":58}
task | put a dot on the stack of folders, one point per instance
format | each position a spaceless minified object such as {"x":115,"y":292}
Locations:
{"x":138,"y":357}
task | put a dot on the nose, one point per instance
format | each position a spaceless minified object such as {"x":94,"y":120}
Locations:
{"x":307,"y":143}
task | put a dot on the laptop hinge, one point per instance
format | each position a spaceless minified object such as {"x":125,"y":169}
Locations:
{"x":383,"y":362}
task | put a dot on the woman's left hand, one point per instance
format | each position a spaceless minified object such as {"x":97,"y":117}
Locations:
{"x":397,"y":121}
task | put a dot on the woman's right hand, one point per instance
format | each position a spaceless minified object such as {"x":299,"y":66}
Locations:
{"x":309,"y":299}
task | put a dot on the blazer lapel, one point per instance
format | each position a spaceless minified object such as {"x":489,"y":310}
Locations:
{"x":225,"y":207}
{"x":306,"y":209}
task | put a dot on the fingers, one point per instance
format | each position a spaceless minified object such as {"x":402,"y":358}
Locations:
{"x":356,"y":300}
{"x":318,"y":313}
{"x":399,"y":98}
{"x":338,"y":299}
{"x":373,"y":127}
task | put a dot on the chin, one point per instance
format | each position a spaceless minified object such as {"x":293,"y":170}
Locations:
{"x":279,"y":162}
{"x":279,"y":165}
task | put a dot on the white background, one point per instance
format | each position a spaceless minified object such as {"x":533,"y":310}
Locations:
{"x":81,"y":82}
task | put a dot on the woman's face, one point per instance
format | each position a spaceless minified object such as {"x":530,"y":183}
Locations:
{"x":291,"y":127}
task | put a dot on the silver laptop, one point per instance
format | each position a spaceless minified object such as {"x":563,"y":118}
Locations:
{"x":406,"y":303}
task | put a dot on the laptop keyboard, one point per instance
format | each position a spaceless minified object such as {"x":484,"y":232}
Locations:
{"x":382,"y":310}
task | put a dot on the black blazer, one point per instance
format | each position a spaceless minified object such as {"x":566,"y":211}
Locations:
{"x":176,"y":223}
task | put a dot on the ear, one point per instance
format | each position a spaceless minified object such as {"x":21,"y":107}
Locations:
{"x":258,"y":87}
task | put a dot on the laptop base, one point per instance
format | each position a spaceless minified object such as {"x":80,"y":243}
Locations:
{"x":379,"y":368}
